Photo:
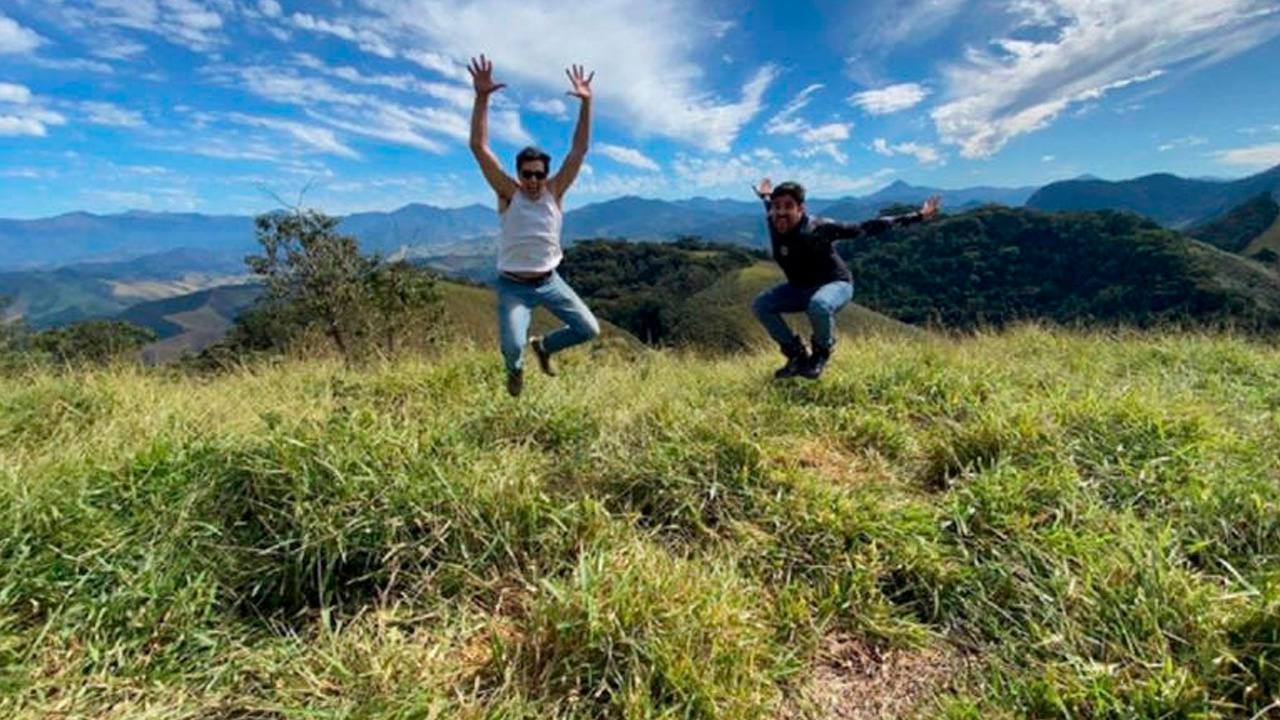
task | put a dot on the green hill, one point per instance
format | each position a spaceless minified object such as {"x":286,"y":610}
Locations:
{"x":46,"y":299}
{"x":1028,"y":524}
{"x":1266,"y":246}
{"x":998,"y":265}
{"x":190,"y":323}
{"x":720,"y":318}
{"x":1237,"y":229}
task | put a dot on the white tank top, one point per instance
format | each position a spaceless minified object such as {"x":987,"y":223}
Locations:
{"x":530,"y":234}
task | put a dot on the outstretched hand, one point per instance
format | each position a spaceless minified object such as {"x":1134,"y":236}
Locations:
{"x":580,"y":82}
{"x":482,"y":76}
{"x":930,"y":208}
{"x":764,"y":189}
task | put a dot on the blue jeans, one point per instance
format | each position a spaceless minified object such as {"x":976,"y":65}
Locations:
{"x":516,"y":302}
{"x":820,"y":303}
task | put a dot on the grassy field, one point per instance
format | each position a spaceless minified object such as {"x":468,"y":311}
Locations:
{"x":1034,"y":524}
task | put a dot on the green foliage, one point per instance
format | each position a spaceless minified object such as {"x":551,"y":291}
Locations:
{"x":91,"y":341}
{"x":997,"y":265}
{"x":641,"y":286}
{"x":1235,"y":230}
{"x":318,"y":284}
{"x":897,"y":209}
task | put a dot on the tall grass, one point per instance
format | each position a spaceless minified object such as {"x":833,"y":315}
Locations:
{"x":1091,"y":521}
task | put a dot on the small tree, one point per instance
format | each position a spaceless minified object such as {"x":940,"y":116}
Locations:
{"x":403,"y":296}
{"x":307,"y":266}
{"x":92,"y":341}
{"x":316,"y":278}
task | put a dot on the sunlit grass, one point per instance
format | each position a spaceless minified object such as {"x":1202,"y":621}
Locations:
{"x":1092,"y":521}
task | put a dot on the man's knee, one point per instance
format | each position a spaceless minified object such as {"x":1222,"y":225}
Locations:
{"x":821,"y":306}
{"x":590,"y":327}
{"x":761,"y":305}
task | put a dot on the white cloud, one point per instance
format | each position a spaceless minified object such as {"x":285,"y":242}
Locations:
{"x":104,"y":113}
{"x":642,"y":53}
{"x":34,"y":123}
{"x":21,"y":113}
{"x":196,"y":24}
{"x":820,"y":140}
{"x":1260,"y":129}
{"x":29,"y":173}
{"x":1048,"y":158}
{"x":831,"y":150}
{"x":555,"y":107}
{"x":16,"y":39}
{"x":786,"y":122}
{"x":627,"y":156}
{"x":437,"y":63}
{"x":831,"y":132}
{"x":270,"y":8}
{"x":316,"y":138}
{"x":17,"y":94}
{"x":117,"y":49}
{"x":372,"y":116}
{"x":1255,"y":156}
{"x":733,"y":174}
{"x":880,"y":27}
{"x":460,"y":96}
{"x":73,"y":64}
{"x":1095,"y":47}
{"x":891,"y":99}
{"x":1189,"y":141}
{"x":923,"y":153}
{"x":614,"y":185}
{"x":366,"y":39}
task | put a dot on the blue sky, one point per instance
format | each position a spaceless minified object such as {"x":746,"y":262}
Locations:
{"x":219,"y":106}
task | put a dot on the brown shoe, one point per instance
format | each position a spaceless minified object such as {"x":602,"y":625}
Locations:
{"x":544,"y":357}
{"x":515,"y":382}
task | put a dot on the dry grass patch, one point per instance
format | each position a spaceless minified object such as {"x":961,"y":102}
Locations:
{"x":853,"y":679}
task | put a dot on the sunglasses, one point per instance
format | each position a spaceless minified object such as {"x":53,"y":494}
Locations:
{"x":533,"y":174}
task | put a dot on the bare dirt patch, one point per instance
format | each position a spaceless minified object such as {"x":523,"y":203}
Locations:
{"x":855,"y":680}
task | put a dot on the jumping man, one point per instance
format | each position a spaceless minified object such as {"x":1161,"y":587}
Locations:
{"x":818,"y":282}
{"x":529,"y":248}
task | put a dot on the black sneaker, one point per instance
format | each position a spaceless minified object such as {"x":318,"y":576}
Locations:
{"x":544,"y":357}
{"x":515,"y":382}
{"x":797,"y":360}
{"x":817,"y":363}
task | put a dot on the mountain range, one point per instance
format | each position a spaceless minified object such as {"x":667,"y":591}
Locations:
{"x":1170,"y":200}
{"x":79,"y":265}
{"x":425,"y":230}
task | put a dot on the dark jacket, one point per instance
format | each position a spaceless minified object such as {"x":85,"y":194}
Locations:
{"x":807,"y":253}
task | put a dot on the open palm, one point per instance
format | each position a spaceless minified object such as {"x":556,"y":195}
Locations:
{"x":930,"y":207}
{"x":482,"y":76}
{"x":580,"y":82}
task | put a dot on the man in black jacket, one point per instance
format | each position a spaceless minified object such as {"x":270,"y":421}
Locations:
{"x":818,"y":282}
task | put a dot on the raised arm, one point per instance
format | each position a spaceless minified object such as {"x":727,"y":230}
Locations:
{"x":849,"y":231}
{"x":581,"y":89}
{"x":764,"y":191}
{"x":482,"y":78}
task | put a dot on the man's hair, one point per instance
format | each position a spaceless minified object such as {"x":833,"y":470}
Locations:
{"x":530,"y":154}
{"x":793,"y":190}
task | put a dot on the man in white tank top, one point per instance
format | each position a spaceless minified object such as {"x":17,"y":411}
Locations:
{"x":529,"y":248}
